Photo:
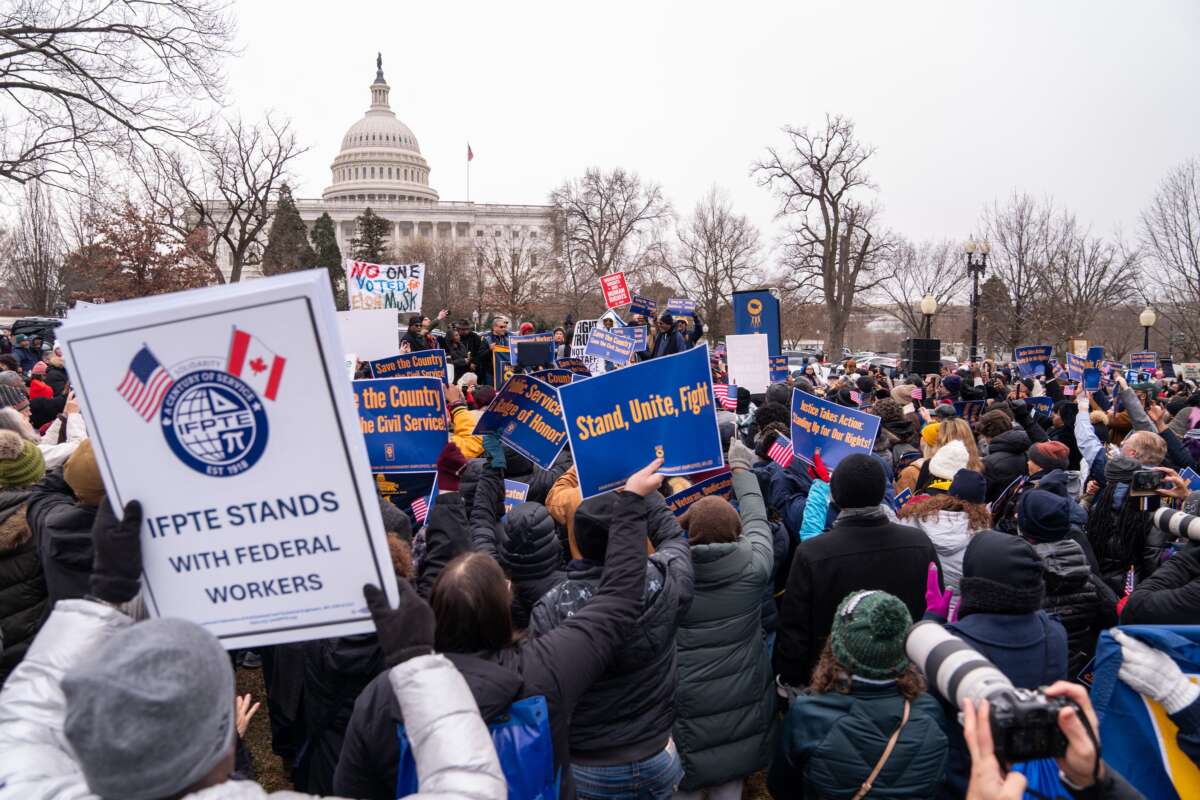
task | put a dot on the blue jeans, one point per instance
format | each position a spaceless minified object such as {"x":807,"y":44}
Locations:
{"x":654,"y":778}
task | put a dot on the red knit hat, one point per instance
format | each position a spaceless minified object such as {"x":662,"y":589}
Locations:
{"x":526,"y":327}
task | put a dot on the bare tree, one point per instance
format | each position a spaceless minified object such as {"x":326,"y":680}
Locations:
{"x":446,"y":279}
{"x":517,"y":272}
{"x":35,"y":251}
{"x":1170,"y":234}
{"x":718,"y":254}
{"x":915,"y":271}
{"x":1025,"y":235}
{"x":611,"y":221}
{"x":84,"y":79}
{"x":833,"y":246}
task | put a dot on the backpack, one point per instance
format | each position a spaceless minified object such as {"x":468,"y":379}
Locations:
{"x":521,"y":736}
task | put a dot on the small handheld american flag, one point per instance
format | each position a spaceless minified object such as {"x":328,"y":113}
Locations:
{"x":781,"y":451}
{"x":726,"y":394}
{"x":146,"y":383}
{"x":420,"y":510}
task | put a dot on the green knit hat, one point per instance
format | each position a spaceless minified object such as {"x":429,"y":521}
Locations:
{"x":21,"y":461}
{"x":868,"y":634}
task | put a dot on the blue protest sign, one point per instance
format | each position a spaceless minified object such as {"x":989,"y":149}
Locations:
{"x":635,"y":332}
{"x":1189,"y":475}
{"x":834,"y":431}
{"x":1031,"y":360}
{"x":502,"y":368}
{"x":681,"y":307}
{"x":779,"y":369}
{"x":527,"y":415}
{"x":554,"y":377}
{"x":643,"y":306}
{"x":1075,"y":367}
{"x":609,"y":346}
{"x":515,"y":493}
{"x":575,"y":365}
{"x":620,"y":421}
{"x":720,"y":485}
{"x":1143,"y":361}
{"x":900,"y":499}
{"x":403,"y":421}
{"x":401,"y":489}
{"x":532,"y":350}
{"x":757,"y":312}
{"x":1091,"y":380}
{"x":423,"y":364}
{"x":1040,"y":404}
{"x":970,"y":410}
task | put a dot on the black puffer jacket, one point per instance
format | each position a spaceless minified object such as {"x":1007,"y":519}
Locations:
{"x":1005,"y":461}
{"x":628,"y":713}
{"x":23,"y":602}
{"x":1080,"y":600}
{"x":520,"y":469}
{"x":62,"y":529}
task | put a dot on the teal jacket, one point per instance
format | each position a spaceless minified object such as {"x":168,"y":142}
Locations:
{"x":830,"y":743}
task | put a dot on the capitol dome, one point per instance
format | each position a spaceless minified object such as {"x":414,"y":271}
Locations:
{"x":380,"y":160}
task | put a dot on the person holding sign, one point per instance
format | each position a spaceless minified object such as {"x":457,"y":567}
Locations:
{"x":667,"y":339}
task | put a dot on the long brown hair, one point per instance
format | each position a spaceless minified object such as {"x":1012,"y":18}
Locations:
{"x":830,"y":676}
{"x":979,"y":517}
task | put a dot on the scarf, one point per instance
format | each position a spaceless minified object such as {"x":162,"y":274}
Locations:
{"x":868,"y":514}
{"x":1120,"y":469}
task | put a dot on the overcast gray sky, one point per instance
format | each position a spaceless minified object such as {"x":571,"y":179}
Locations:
{"x":1090,"y":102}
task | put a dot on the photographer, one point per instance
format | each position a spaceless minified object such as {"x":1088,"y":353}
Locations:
{"x":1171,"y":596}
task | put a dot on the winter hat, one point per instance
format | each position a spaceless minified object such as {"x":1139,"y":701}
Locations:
{"x":39,"y":368}
{"x":83,"y":475}
{"x":888,"y":410}
{"x":866,"y":384}
{"x":1049,"y":455}
{"x":948,"y":460}
{"x":711,"y":520}
{"x":1044,"y":516}
{"x":902,"y":394}
{"x":868,"y":634}
{"x":858,"y":482}
{"x":592,"y":519}
{"x":968,"y":486}
{"x":1002,"y":574}
{"x":526,"y":327}
{"x":395,"y":520}
{"x":128,"y":704}
{"x":21,"y":461}
{"x":9,"y":378}
{"x":779,"y":393}
{"x":929,"y":434}
{"x":726,"y":430}
{"x":484,"y":395}
{"x":11,"y":396}
{"x":952,"y":383}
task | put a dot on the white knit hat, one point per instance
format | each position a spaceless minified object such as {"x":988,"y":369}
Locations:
{"x":947,"y":461}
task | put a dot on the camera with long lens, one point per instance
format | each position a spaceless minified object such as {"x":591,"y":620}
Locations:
{"x":1024,"y":721}
{"x":1177,"y":523}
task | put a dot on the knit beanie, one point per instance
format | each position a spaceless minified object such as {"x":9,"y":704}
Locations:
{"x":21,"y":461}
{"x":526,"y":328}
{"x":968,"y":486}
{"x":929,"y":434}
{"x":592,"y":518}
{"x":868,"y":634}
{"x":952,"y":383}
{"x":1044,"y":516}
{"x":948,"y":460}
{"x":1002,"y":574}
{"x":14,"y":397}
{"x":902,"y":394}
{"x":1049,"y":455}
{"x":13,"y":379}
{"x":82,"y":474}
{"x":779,"y":393}
{"x":394,"y":520}
{"x":858,"y":482}
{"x":39,"y":368}
{"x":150,"y":713}
{"x":711,"y":520}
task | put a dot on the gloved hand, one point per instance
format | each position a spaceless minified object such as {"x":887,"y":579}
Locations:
{"x":450,"y":466}
{"x":405,"y":631}
{"x":740,"y":456}
{"x":1019,"y":408}
{"x":819,"y":470}
{"x":1154,"y":673}
{"x":936,"y":600}
{"x":494,"y":450}
{"x":117,"y":559}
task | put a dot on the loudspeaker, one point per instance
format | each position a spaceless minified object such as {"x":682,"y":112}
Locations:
{"x":921,"y":356}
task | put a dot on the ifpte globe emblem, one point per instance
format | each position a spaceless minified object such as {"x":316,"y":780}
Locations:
{"x":214,"y":423}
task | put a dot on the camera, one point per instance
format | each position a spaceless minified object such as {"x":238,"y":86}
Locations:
{"x":1024,"y":721}
{"x":1147,"y":482}
{"x":1177,"y":523}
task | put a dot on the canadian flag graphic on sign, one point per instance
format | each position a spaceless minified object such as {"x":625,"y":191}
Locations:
{"x":255,"y":363}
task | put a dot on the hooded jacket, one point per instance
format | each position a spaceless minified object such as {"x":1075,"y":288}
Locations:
{"x":1077,"y":598}
{"x":453,"y":748}
{"x":1005,"y":461}
{"x":950,"y":532}
{"x":24,"y":605}
{"x":62,"y":528}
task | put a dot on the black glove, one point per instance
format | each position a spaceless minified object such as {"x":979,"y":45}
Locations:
{"x":1019,"y":408}
{"x":117,"y":561}
{"x":405,"y":631}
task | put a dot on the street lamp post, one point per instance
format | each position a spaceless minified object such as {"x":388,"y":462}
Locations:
{"x":928,"y":308}
{"x":1147,"y":319}
{"x":976,"y":264}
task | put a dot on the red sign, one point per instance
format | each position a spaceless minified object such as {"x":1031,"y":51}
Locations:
{"x":616,"y":290}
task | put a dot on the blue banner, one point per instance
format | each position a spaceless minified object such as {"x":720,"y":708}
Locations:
{"x":1091,"y":380}
{"x":1032,"y":359}
{"x":779,"y":369}
{"x":720,"y":485}
{"x":403,"y":421}
{"x":532,"y":350}
{"x":757,"y":312}
{"x":554,"y":377}
{"x":970,"y":410}
{"x":515,"y":493}
{"x":502,"y":368}
{"x":644,"y":306}
{"x":1144,"y":361}
{"x":681,"y":307}
{"x":527,"y":415}
{"x":576,"y":365}
{"x":1040,"y":404}
{"x":834,"y":431}
{"x":423,"y":364}
{"x":609,"y":346}
{"x":620,"y":421}
{"x":1075,"y":367}
{"x":635,"y":332}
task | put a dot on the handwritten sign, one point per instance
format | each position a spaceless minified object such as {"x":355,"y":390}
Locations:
{"x":527,"y":416}
{"x":834,"y":431}
{"x":397,"y":286}
{"x":616,"y":290}
{"x":422,"y":364}
{"x":403,"y":421}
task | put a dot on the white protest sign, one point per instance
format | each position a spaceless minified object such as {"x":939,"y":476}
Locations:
{"x":397,"y":286}
{"x":749,"y":362}
{"x":227,"y":413}
{"x":351,"y":365}
{"x":370,"y":335}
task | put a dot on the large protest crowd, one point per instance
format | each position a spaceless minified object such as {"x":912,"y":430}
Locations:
{"x":827,"y":627}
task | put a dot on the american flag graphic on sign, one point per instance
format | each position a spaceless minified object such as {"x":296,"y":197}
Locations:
{"x":781,"y":451}
{"x":146,"y":383}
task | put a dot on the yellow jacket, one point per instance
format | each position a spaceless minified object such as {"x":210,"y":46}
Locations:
{"x":462,"y":422}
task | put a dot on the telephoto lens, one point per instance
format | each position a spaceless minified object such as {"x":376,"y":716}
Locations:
{"x":1177,"y":523}
{"x":1024,"y":722}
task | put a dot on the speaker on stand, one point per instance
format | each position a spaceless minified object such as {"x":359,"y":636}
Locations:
{"x":921,"y":356}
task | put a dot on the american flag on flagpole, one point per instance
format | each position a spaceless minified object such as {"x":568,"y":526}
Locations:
{"x":146,"y":383}
{"x":781,"y":451}
{"x":726,"y":395}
